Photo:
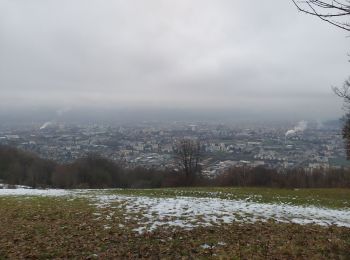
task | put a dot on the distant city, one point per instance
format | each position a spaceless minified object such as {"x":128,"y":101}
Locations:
{"x":307,"y":145}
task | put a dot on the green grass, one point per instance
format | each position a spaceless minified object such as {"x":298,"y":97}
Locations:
{"x":329,"y":198}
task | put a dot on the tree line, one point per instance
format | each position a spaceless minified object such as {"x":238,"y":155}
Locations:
{"x":293,"y":178}
{"x":23,"y":168}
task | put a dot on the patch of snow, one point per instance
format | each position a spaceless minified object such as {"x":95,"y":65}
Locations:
{"x":139,"y":230}
{"x":9,"y":186}
{"x":189,"y":212}
{"x":34,"y":192}
{"x":107,"y":227}
{"x":205,"y":246}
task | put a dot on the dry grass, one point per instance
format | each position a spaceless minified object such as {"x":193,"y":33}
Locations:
{"x":42,"y":228}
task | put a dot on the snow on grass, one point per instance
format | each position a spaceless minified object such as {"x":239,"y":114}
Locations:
{"x":188,"y":212}
{"x":8,"y":186}
{"x":34,"y":192}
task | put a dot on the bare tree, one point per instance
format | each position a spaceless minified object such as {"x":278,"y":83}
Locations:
{"x":344,"y":93}
{"x":334,"y":12}
{"x":346,"y":134}
{"x":187,"y":157}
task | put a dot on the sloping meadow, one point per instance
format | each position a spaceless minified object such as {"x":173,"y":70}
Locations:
{"x":167,"y":216}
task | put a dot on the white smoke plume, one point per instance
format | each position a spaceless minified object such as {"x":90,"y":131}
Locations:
{"x":45,"y":125}
{"x":300,"y":127}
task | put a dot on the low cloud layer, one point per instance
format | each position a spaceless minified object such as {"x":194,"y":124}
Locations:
{"x":255,"y":56}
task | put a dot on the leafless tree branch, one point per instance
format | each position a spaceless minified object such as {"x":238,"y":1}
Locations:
{"x":344,"y":91}
{"x":330,"y":11}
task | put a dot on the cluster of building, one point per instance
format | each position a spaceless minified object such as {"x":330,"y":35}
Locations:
{"x":151,"y":144}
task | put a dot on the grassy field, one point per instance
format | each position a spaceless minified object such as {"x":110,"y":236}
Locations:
{"x":329,"y":198}
{"x":42,"y":227}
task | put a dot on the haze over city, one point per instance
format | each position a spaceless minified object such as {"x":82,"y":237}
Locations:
{"x":174,"y":129}
{"x":168,"y":59}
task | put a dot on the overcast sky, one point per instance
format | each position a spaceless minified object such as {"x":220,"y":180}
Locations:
{"x":255,"y":56}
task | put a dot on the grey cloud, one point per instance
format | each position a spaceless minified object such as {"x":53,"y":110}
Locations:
{"x":244,"y":55}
